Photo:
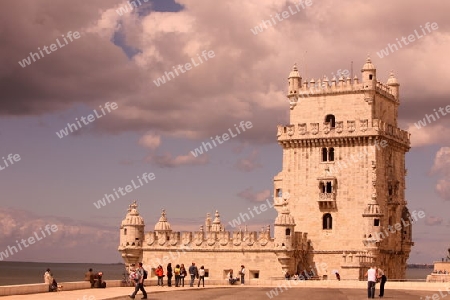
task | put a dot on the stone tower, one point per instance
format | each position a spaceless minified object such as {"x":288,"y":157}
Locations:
{"x":132,"y":236}
{"x":344,"y":170}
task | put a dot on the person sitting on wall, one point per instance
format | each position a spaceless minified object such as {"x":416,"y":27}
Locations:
{"x":99,"y":283}
{"x":287,"y":276}
{"x":231,"y":278}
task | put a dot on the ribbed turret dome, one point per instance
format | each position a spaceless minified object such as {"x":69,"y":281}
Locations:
{"x":368,"y":65}
{"x":392,"y":80}
{"x":162,"y":224}
{"x":294,"y":72}
{"x":373,"y":210}
{"x":133,"y":217}
{"x":216,"y":225}
{"x":285,"y":218}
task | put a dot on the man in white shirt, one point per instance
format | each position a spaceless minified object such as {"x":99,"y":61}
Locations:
{"x":371,"y":280}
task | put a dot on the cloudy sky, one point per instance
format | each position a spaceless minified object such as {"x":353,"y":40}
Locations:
{"x":119,"y":55}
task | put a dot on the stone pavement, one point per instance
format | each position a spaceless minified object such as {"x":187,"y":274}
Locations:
{"x":224,"y":293}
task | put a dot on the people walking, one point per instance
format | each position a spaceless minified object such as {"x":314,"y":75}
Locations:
{"x":193,"y":271}
{"x":383,"y":280}
{"x":242,"y":273}
{"x":371,"y":281}
{"x":201,"y":276}
{"x":169,"y":274}
{"x":139,"y":282}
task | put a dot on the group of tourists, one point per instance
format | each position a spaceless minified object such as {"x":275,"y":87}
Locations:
{"x":232,"y":279}
{"x":375,"y":275}
{"x":95,"y":279}
{"x":180,"y":272}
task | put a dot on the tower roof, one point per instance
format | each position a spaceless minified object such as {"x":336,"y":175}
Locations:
{"x":392,"y":80}
{"x":368,"y":65}
{"x":133,"y":217}
{"x":162,"y":224}
{"x":216,"y":225}
{"x":294,"y":72}
{"x":284,"y":217}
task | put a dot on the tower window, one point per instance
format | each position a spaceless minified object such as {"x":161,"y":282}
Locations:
{"x":376,"y":222}
{"x":329,"y":187}
{"x":328,"y":154}
{"x":279,"y":192}
{"x":327,"y":221}
{"x":370,"y":76}
{"x":326,"y":187}
{"x":331,"y":119}
{"x":124,"y":231}
{"x":288,"y":231}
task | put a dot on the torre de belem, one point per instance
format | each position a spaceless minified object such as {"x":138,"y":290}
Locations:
{"x":339,"y":196}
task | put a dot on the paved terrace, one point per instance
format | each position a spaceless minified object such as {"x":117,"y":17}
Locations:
{"x":328,"y":289}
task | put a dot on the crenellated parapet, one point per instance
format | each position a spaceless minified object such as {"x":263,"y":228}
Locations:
{"x":304,"y":132}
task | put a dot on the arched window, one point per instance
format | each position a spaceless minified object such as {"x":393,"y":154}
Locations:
{"x":327,"y":221}
{"x":331,"y":119}
{"x":331,"y":154}
{"x":324,"y":154}
{"x":329,"y":187}
{"x":288,"y":231}
{"x":124,"y":231}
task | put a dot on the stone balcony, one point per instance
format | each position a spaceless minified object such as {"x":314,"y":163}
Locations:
{"x":327,"y":200}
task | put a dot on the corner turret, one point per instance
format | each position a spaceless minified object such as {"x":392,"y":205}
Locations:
{"x":369,"y":75}
{"x":394,"y":85}
{"x":132,"y":235}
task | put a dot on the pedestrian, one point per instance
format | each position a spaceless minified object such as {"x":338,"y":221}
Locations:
{"x":48,"y":279}
{"x":193,"y":271}
{"x":201,"y":276}
{"x":140,"y":272}
{"x":242,"y":273}
{"x":169,"y":274}
{"x":160,"y":273}
{"x":382,"y":277}
{"x":371,"y":281}
{"x":183,"y":274}
{"x":89,"y":276}
{"x":177,"y":275}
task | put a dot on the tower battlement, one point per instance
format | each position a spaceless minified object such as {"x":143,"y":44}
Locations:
{"x":355,"y":129}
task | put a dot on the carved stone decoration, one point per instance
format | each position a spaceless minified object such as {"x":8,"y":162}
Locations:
{"x":326,"y":127}
{"x":351,"y":126}
{"x":249,"y":238}
{"x":339,"y":126}
{"x":224,"y":238}
{"x":187,"y":238}
{"x":161,"y":239}
{"x":237,"y":238}
{"x":198,"y":240}
{"x":374,"y":180}
{"x":280,"y":131}
{"x":150,"y":238}
{"x":302,"y":128}
{"x":314,"y":128}
{"x":290,"y":130}
{"x":211,"y":238}
{"x":173,"y":238}
{"x":263,"y":241}
{"x":363,"y":124}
